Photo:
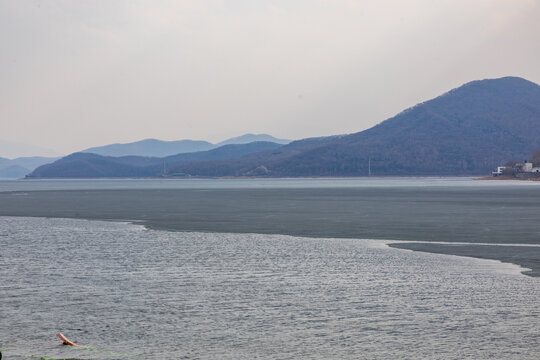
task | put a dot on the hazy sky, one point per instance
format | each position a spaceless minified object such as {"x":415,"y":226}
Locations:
{"x":75,"y":74}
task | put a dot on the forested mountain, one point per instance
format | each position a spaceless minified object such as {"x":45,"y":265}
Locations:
{"x":88,"y":165}
{"x":151,"y":147}
{"x":160,"y":148}
{"x":466,"y":131}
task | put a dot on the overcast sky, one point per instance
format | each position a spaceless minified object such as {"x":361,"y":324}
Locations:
{"x":75,"y":74}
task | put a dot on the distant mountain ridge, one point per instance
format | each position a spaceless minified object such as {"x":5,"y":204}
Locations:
{"x":160,"y":148}
{"x":466,"y":131}
{"x":19,"y":167}
{"x":89,"y":165}
{"x":150,"y":147}
{"x":22,"y":166}
{"x":14,"y":150}
{"x":248,"y":138}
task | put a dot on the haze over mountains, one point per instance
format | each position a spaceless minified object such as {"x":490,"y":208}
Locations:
{"x":160,"y":148}
{"x":249,"y":138}
{"x":466,"y":131}
{"x":22,"y":166}
{"x":19,"y":167}
{"x":17,"y":160}
{"x":13,"y":150}
{"x":88,"y":165}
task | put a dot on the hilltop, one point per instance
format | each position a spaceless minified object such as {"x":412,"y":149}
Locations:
{"x":160,"y":148}
{"x":88,"y":165}
{"x":466,"y":131}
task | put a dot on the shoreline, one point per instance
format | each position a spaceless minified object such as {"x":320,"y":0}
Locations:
{"x":488,"y":215}
{"x":509,"y":177}
{"x":473,"y":176}
{"x":529,"y":266}
{"x":520,"y":255}
{"x":526,"y":257}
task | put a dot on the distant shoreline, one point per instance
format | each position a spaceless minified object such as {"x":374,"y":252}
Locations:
{"x":524,"y":256}
{"x":509,"y":177}
{"x":262,"y":177}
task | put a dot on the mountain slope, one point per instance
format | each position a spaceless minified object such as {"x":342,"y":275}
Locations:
{"x":13,"y":172}
{"x":247,"y":138}
{"x":89,"y":165}
{"x":160,"y":148}
{"x":466,"y":131}
{"x":19,"y":167}
{"x":151,"y":147}
{"x":33,"y":161}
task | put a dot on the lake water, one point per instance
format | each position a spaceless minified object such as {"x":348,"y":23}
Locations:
{"x":263,"y":183}
{"x":134,"y":293}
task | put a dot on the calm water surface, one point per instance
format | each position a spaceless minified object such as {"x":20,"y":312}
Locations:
{"x":263,"y":183}
{"x":128,"y":291}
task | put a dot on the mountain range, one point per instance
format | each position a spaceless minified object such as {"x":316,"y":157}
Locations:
{"x":89,"y":165}
{"x":160,"y":148}
{"x":22,"y":166}
{"x":466,"y":131}
{"x":19,"y":167}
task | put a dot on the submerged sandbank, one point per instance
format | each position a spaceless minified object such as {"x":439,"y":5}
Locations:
{"x":505,"y":215}
{"x":524,"y":256}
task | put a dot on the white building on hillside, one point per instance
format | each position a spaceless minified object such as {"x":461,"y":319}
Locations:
{"x":527,"y":167}
{"x":499,"y":171}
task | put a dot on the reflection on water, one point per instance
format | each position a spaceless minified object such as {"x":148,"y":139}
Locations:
{"x":166,"y":295}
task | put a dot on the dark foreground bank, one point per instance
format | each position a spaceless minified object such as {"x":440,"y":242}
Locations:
{"x":448,"y":214}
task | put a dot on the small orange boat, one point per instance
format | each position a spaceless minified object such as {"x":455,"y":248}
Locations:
{"x":66,"y":341}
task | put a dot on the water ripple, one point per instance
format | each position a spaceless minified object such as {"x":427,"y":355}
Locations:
{"x":172,"y":295}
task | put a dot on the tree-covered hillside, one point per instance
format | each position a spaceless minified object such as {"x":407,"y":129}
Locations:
{"x":466,"y":131}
